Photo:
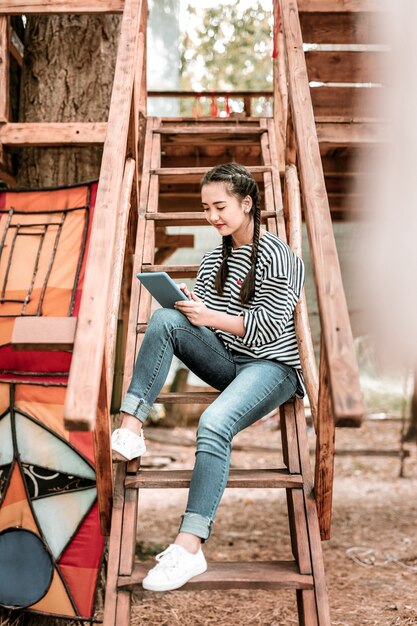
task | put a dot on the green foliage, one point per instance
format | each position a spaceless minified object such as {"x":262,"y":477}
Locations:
{"x":227,"y":47}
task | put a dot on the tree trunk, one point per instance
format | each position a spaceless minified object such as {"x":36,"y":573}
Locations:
{"x":67,"y":76}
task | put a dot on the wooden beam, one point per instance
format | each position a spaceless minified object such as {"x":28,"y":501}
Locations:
{"x":117,"y":270}
{"x":342,"y":6}
{"x":86,"y":367}
{"x":324,"y":465}
{"x":333,"y":311}
{"x":43,"y":333}
{"x":347,"y":103}
{"x":4,"y":69}
{"x":53,"y":134}
{"x":16,"y":47}
{"x":40,"y":7}
{"x":352,"y":135}
{"x":165,"y":240}
{"x":346,"y":66}
{"x":342,"y":27}
{"x":292,"y":200}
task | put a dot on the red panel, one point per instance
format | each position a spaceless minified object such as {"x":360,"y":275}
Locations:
{"x":80,"y":563}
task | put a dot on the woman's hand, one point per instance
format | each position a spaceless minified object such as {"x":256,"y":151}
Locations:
{"x":194,"y":310}
{"x":185,"y":290}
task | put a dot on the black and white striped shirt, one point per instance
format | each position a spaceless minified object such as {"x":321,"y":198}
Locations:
{"x":268,"y":318}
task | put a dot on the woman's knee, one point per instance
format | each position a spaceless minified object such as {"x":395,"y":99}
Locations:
{"x":211,"y":427}
{"x":165,"y":319}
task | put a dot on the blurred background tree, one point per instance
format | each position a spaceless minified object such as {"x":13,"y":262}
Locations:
{"x":226,"y":47}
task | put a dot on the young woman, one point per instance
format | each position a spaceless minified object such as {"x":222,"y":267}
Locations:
{"x":236,"y":332}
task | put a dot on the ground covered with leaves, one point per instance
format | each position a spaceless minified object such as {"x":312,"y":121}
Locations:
{"x":370,"y":561}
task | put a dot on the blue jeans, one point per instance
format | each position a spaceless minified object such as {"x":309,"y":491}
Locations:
{"x":250,"y":388}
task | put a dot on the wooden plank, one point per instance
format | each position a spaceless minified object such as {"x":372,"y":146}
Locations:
{"x":102,"y":455}
{"x":346,"y":66}
{"x":4,"y":69}
{"x":40,"y":7}
{"x":124,"y":600}
{"x":343,"y":28}
{"x":352,"y":135}
{"x":235,"y":575}
{"x":166,"y":240}
{"x":53,"y":134}
{"x":307,"y":609}
{"x":356,"y":104}
{"x":276,"y":161}
{"x":85,"y":372}
{"x":238,"y":478}
{"x":334,"y":315}
{"x":16,"y":47}
{"x":189,"y":397}
{"x":194,"y":174}
{"x":296,"y":513}
{"x":312,"y":521}
{"x":119,"y":268}
{"x":301,"y":319}
{"x":137,"y":261}
{"x":325,"y":446}
{"x":175,"y":271}
{"x":189,"y":218}
{"x":43,"y":333}
{"x":110,"y":601}
{"x":342,"y":6}
{"x":210,"y":130}
{"x":128,"y":545}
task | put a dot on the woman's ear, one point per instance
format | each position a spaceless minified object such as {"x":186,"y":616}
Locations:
{"x":247,"y":204}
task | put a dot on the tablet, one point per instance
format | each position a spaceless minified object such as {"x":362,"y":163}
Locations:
{"x":162,"y":287}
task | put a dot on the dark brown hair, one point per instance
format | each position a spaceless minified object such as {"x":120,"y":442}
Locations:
{"x":240,"y":183}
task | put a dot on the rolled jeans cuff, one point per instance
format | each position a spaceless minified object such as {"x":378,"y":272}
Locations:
{"x":196,"y":524}
{"x":136,"y":407}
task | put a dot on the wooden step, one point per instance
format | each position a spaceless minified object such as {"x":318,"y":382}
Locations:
{"x":190,"y":218}
{"x":188,"y":397}
{"x":175,"y":271}
{"x":210,"y":130}
{"x":278,"y":478}
{"x":233,"y":575}
{"x":194,"y":174}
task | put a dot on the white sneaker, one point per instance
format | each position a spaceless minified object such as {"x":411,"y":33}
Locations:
{"x":175,"y":567}
{"x":126,"y":445}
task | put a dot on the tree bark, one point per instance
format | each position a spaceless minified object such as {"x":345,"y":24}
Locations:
{"x":67,"y":76}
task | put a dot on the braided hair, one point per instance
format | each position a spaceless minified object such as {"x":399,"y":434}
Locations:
{"x":240,"y":183}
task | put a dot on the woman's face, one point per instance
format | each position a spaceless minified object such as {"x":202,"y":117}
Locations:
{"x":228,"y":214}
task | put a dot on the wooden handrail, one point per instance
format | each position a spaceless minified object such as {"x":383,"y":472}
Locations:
{"x":86,"y":368}
{"x":302,"y":324}
{"x":343,"y":371}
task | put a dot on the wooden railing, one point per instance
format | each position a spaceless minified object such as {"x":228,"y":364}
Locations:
{"x":87,"y":403}
{"x":334,"y":393}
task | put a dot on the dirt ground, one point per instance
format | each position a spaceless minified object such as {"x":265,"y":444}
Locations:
{"x":370,"y":561}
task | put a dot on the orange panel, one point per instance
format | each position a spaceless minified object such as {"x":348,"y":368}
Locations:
{"x":15,"y":510}
{"x":56,"y":600}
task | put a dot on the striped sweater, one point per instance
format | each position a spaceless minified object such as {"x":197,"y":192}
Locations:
{"x":268,"y":318}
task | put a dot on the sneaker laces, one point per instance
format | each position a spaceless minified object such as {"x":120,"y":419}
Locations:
{"x":168,"y":558}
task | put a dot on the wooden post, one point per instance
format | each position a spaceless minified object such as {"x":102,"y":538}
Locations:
{"x":324,"y":467}
{"x":103,"y":461}
{"x":118,"y":270}
{"x":292,"y":204}
{"x":4,"y":68}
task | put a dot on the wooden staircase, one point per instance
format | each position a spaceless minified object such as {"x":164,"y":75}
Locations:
{"x":148,"y":181}
{"x":305,"y":573}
